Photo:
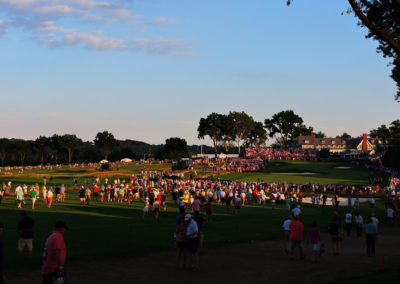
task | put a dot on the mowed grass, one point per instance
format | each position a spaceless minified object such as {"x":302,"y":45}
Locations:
{"x":304,"y":172}
{"x":104,"y":230}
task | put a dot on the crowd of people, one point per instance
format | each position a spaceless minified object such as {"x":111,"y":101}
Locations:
{"x":268,"y":153}
{"x":193,"y":196}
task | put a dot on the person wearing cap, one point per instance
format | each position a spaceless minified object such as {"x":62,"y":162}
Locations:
{"x":192,"y":240}
{"x":1,"y":254}
{"x":55,"y":253}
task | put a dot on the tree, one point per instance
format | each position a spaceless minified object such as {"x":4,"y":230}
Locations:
{"x":22,"y":149}
{"x":240,"y":125}
{"x":175,"y":148}
{"x":258,"y":135}
{"x":287,"y":124}
{"x":214,"y":127}
{"x":70,"y":142}
{"x":42,"y":143}
{"x":395,"y":129}
{"x":345,"y":136}
{"x":382,"y":18}
{"x":55,"y":142}
{"x":106,"y":142}
{"x":4,"y":148}
{"x":320,"y":134}
{"x":381,"y":132}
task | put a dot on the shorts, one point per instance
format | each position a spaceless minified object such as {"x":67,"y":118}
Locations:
{"x":192,"y":244}
{"x":295,"y":244}
{"x":156,"y":210}
{"x":181,"y":244}
{"x":315,"y":247}
{"x":237,"y":207}
{"x":22,"y":243}
{"x":201,"y":236}
{"x":94,"y":194}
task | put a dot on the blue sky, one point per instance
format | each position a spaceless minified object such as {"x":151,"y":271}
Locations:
{"x":150,"y":69}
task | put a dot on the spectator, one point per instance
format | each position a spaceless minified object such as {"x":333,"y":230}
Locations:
{"x":296,"y":236}
{"x":55,"y":254}
{"x":370,"y":236}
{"x":25,"y":233}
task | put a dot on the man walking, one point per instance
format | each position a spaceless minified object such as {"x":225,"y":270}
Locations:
{"x":370,"y":235}
{"x":296,"y":236}
{"x":25,"y":233}
{"x":55,"y":254}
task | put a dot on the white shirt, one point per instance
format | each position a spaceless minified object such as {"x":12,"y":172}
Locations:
{"x":358,"y":219}
{"x":191,"y":228}
{"x":286,"y":225}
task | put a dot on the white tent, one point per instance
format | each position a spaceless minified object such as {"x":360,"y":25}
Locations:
{"x":126,"y":160}
{"x":222,"y":156}
{"x":103,"y":162}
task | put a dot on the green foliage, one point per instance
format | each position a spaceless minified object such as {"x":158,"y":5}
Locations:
{"x":320,"y":134}
{"x":213,"y":126}
{"x":70,"y":142}
{"x":345,"y":136}
{"x":287,"y":124}
{"x":240,"y":125}
{"x":258,"y":135}
{"x":175,"y":148}
{"x":106,"y":142}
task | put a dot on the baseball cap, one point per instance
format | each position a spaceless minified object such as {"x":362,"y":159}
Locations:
{"x":187,"y":217}
{"x":61,"y":224}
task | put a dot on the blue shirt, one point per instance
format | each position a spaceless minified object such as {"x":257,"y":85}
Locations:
{"x":370,"y":229}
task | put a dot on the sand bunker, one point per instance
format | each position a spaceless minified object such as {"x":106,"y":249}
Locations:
{"x":342,"y":201}
{"x":343,"y":168}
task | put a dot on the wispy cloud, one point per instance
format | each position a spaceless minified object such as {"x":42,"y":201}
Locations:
{"x":58,"y":23}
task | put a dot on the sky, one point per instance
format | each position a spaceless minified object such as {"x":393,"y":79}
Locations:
{"x":148,"y":70}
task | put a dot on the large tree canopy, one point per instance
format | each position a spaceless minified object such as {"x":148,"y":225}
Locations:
{"x":288,"y":125}
{"x":382,"y":18}
{"x":106,"y":142}
{"x":213,"y":126}
{"x":175,"y":148}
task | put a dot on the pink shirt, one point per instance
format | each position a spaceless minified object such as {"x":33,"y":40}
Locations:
{"x":53,"y":243}
{"x":196,"y":205}
{"x":315,"y":235}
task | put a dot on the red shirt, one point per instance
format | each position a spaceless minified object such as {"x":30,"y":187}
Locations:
{"x":95,"y":189}
{"x":54,"y":242}
{"x":296,"y":230}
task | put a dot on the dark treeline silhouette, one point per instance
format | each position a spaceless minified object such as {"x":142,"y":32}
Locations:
{"x":68,"y":148}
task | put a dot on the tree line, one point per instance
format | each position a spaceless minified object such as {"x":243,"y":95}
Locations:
{"x":55,"y":149}
{"x":241,"y":129}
